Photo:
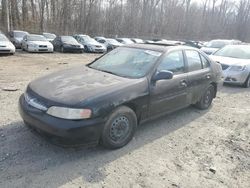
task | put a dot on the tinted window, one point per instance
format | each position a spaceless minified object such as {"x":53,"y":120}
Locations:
{"x":205,"y":62}
{"x":173,"y":62}
{"x":194,"y":61}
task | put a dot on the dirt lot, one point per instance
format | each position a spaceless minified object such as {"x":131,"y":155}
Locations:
{"x":190,"y":148}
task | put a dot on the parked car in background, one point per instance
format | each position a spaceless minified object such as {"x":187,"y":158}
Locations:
{"x":49,"y":36}
{"x":109,"y":43}
{"x":214,"y":45}
{"x":90,"y":44}
{"x":6,"y":47}
{"x":136,"y":40}
{"x":104,"y":101}
{"x":36,"y":43}
{"x":67,"y":44}
{"x":16,"y":37}
{"x":235,"y":62}
{"x":195,"y":44}
{"x":125,"y":40}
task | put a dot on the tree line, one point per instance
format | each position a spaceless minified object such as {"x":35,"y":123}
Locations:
{"x":170,"y":19}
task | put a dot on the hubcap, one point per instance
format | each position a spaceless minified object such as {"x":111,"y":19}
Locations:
{"x":119,"y":128}
{"x":207,"y":98}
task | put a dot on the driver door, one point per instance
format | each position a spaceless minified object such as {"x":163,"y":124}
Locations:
{"x":170,"y":95}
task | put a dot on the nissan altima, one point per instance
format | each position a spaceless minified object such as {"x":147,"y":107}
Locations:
{"x":235,"y":62}
{"x":104,"y":101}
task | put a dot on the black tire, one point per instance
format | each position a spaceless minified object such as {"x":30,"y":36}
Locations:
{"x":247,"y":82}
{"x":86,"y":49}
{"x":119,"y":129}
{"x":62,"y":49}
{"x":206,"y":99}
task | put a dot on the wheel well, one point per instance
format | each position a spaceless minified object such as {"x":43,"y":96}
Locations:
{"x":215,"y":88}
{"x":135,"y":109}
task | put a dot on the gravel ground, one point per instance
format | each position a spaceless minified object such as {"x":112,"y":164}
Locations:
{"x":189,"y":148}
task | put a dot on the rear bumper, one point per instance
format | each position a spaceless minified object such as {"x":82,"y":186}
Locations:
{"x":67,"y":132}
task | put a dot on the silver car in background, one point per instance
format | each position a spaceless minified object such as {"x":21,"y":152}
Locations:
{"x":6,"y":47}
{"x":214,"y":45}
{"x":36,"y":43}
{"x":235,"y":63}
{"x":16,"y":37}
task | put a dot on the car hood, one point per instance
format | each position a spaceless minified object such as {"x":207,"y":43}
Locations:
{"x":77,"y":85}
{"x":94,"y":43}
{"x":40,"y":42}
{"x":229,"y":60}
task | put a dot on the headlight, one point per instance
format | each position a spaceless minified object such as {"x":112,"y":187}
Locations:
{"x":32,"y":45}
{"x":69,"y":113}
{"x":237,"y":68}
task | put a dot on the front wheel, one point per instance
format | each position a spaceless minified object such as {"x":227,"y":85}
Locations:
{"x":206,"y":99}
{"x":119,"y":128}
{"x":62,"y":49}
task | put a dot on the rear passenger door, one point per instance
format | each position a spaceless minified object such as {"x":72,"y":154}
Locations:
{"x":199,"y":74}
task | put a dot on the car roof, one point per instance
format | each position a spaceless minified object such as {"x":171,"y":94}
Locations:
{"x":159,"y":47}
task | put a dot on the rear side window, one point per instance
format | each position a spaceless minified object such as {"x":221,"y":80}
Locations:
{"x":205,"y":62}
{"x":173,"y":62}
{"x":194,"y":61}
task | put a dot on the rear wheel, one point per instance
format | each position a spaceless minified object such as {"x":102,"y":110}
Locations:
{"x":119,"y":128}
{"x":247,"y":82}
{"x":207,"y":98}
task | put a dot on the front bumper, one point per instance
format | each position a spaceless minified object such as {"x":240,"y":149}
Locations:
{"x":235,"y":77}
{"x":72,"y":49}
{"x":39,"y":49}
{"x":66,"y":132}
{"x":7,"y":51}
{"x":97,"y":50}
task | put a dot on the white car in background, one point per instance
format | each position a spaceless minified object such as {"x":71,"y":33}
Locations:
{"x":235,"y":63}
{"x":36,"y":43}
{"x":6,"y":47}
{"x":214,"y":45}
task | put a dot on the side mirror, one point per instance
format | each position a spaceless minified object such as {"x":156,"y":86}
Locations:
{"x":163,"y":75}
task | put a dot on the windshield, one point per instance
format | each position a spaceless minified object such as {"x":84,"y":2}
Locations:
{"x":36,"y":38}
{"x":68,"y":39}
{"x":3,"y":38}
{"x":239,"y":52}
{"x":127,"y":62}
{"x":49,"y":35}
{"x":90,"y":40}
{"x":217,"y":44}
{"x":20,"y":34}
{"x":113,"y":41}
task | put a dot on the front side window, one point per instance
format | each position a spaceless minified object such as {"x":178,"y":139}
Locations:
{"x":173,"y":62}
{"x":194,"y":61}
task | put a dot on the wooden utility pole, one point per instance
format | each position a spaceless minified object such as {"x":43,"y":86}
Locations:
{"x":7,"y":16}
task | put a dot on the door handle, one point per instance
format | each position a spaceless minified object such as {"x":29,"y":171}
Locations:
{"x":208,"y":76}
{"x":183,"y":83}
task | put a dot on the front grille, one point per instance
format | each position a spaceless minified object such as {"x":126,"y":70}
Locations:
{"x":4,"y":50}
{"x":224,"y":67}
{"x":2,"y":46}
{"x":98,"y":46}
{"x":42,"y":46}
{"x":43,"y":50}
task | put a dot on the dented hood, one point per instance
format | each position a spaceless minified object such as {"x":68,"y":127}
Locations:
{"x":73,"y":86}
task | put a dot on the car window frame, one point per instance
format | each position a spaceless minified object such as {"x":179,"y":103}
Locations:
{"x":168,"y":53}
{"x":209,"y":63}
{"x":186,"y":58}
